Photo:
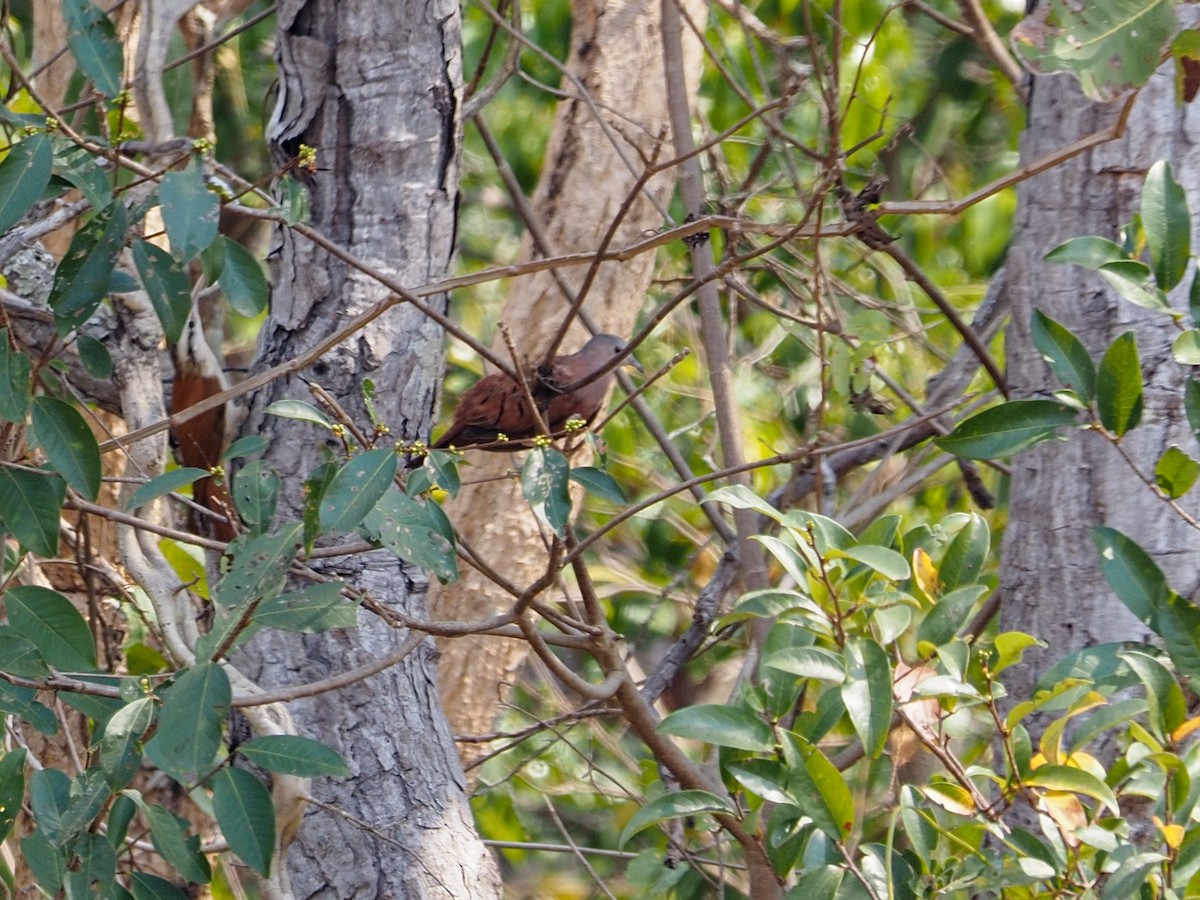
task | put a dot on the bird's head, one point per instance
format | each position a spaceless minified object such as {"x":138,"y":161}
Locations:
{"x":603,"y":347}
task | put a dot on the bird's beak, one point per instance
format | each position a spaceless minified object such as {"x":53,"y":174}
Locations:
{"x":631,"y":361}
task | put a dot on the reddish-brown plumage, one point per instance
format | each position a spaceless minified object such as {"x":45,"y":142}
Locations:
{"x":201,"y":440}
{"x":496,"y":405}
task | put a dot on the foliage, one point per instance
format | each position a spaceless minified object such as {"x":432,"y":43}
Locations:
{"x":870,"y":748}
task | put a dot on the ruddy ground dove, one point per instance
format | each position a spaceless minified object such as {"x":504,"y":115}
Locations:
{"x":496,"y":405}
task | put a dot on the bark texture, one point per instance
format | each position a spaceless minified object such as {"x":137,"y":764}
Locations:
{"x":374,"y":87}
{"x":590,"y":170}
{"x":1050,"y":576}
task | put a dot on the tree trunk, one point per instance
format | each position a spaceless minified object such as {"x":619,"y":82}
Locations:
{"x":616,"y":54}
{"x":375,"y":89}
{"x":1050,"y":576}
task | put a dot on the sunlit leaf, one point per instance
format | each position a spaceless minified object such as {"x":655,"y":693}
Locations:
{"x":1176,"y":472}
{"x":725,"y":726}
{"x":1119,"y":386}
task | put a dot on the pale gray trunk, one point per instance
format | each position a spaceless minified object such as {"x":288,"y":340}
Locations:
{"x":1050,"y":576}
{"x":375,"y":88}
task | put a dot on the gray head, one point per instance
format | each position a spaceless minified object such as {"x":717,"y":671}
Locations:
{"x":600,"y":349}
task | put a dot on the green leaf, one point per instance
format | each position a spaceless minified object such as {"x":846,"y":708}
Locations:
{"x":94,"y":44}
{"x":249,"y":445}
{"x":256,"y":493}
{"x":259,"y":567}
{"x":189,"y":723}
{"x":1069,"y":778}
{"x":725,"y":726}
{"x":45,"y":861}
{"x":1178,"y":624}
{"x":1010,"y":649}
{"x":1111,"y":48}
{"x":1176,"y":472}
{"x":885,"y":561}
{"x":119,"y":747}
{"x":87,"y":797}
{"x":169,"y":835}
{"x":416,"y":532}
{"x":1191,"y":405}
{"x":150,"y":887}
{"x":765,"y":777}
{"x":80,"y":167}
{"x":741,"y":497}
{"x":600,"y":483}
{"x":319,"y":607}
{"x":675,"y":805}
{"x":1007,"y":429}
{"x":1119,"y":386}
{"x":49,"y":796}
{"x":29,"y":505}
{"x":20,"y":702}
{"x":24,"y":174}
{"x":242,"y":281}
{"x":1131,"y":279}
{"x":14,"y":382}
{"x":1168,"y":709}
{"x":293,"y":755}
{"x":544,"y":482}
{"x":964,"y":558}
{"x":818,"y":788}
{"x":1194,"y":299}
{"x":867,"y":694}
{"x":1167,"y":222}
{"x":355,"y":489}
{"x":1132,"y":574}
{"x":70,"y":447}
{"x":827,"y":534}
{"x":242,"y":806}
{"x":1064,"y":352}
{"x":809,"y":662}
{"x":189,"y":211}
{"x":165,"y":483}
{"x":96,"y":359}
{"x":19,"y":655}
{"x":12,"y":789}
{"x":166,"y":285}
{"x":949,"y":615}
{"x":82,"y":278}
{"x":53,"y":625}
{"x":1186,"y":348}
{"x":1088,"y":251}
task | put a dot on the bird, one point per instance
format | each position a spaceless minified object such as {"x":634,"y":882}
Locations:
{"x":496,"y":408}
{"x":202,"y":439}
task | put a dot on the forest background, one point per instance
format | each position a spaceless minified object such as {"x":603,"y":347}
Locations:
{"x":900,"y":293}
